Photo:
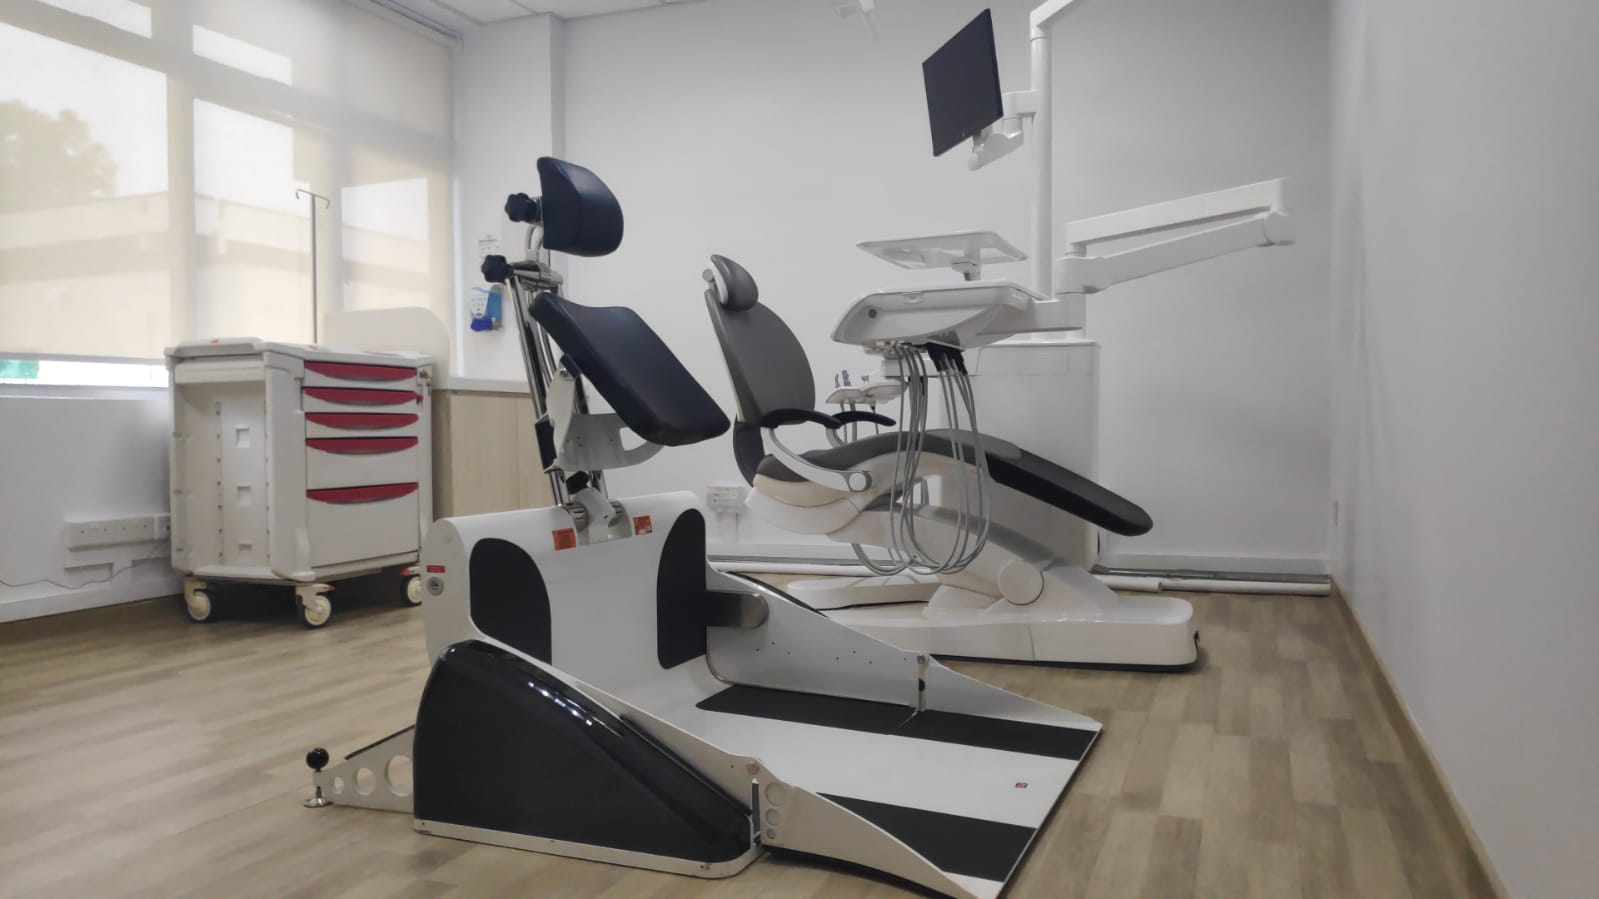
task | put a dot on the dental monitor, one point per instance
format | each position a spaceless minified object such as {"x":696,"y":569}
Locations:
{"x":962,"y":81}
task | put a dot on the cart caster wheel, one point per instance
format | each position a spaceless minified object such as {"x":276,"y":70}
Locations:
{"x":413,"y":590}
{"x":314,"y":611}
{"x":198,"y":605}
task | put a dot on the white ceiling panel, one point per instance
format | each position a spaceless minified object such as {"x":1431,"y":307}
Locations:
{"x":487,"y":11}
{"x":577,"y":9}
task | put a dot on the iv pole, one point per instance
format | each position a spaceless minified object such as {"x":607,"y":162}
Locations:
{"x":311,"y":198}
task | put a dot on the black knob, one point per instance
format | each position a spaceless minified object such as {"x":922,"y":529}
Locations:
{"x":317,"y":759}
{"x":522,"y":208}
{"x":495,"y":269}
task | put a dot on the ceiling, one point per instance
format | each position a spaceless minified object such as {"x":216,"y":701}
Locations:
{"x":484,"y":12}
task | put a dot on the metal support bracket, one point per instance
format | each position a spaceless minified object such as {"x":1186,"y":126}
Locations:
{"x":343,"y":784}
{"x":588,"y":441}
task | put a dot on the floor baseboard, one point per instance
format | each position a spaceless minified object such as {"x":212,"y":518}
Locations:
{"x":1457,"y":825}
{"x":86,"y":598}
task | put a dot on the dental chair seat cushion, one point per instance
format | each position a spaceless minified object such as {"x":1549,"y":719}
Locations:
{"x":1008,"y":465}
{"x":633,"y":370}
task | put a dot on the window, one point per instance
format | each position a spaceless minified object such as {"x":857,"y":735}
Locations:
{"x":149,"y":195}
{"x":125,"y":14}
{"x":52,"y":372}
{"x":84,"y":253}
{"x":253,"y":258}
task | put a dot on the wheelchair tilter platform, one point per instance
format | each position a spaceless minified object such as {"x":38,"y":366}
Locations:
{"x":692,"y":749}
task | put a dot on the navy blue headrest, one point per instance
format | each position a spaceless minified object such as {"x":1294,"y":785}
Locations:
{"x":581,"y":215}
{"x":633,"y":370}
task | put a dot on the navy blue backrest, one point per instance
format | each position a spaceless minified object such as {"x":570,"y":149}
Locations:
{"x":633,"y":370}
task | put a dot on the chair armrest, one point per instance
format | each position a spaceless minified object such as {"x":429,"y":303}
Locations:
{"x":850,"y":480}
{"x":780,"y":417}
{"x":850,"y":416}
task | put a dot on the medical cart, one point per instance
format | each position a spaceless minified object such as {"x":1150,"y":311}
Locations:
{"x":297,"y":465}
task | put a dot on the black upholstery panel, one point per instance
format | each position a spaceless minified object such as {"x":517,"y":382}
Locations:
{"x":509,"y":600}
{"x":681,"y":609}
{"x":632,"y":368}
{"x":1019,"y":470}
{"x":581,"y":216}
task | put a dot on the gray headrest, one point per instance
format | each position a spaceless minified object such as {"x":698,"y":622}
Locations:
{"x":731,"y":284}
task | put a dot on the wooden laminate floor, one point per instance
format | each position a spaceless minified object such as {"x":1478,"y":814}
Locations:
{"x":142,"y":755}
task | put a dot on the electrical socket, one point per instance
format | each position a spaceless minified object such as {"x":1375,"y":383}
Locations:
{"x":726,"y":497}
{"x":117,"y":531}
{"x":85,"y":534}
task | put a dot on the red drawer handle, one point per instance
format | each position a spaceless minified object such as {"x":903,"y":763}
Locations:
{"x":362,"y":421}
{"x":351,"y":371}
{"x":361,"y":494}
{"x":351,"y":445}
{"x":363,"y":396}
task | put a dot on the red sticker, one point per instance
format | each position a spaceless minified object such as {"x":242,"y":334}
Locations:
{"x":435,"y":569}
{"x":565,"y":538}
{"x":1021,"y":784}
{"x":642,"y":525}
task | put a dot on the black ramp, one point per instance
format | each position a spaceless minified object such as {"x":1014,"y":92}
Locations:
{"x":954,"y":844}
{"x":503,"y":745}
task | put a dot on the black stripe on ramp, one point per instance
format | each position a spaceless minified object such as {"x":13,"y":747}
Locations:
{"x":809,"y":708}
{"x":999,"y":733}
{"x":955,"y":844}
{"x":903,"y":721}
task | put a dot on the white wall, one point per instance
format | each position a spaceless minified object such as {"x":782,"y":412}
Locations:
{"x":80,"y":454}
{"x":507,"y":114}
{"x":775,"y":133}
{"x":1467,"y":460}
{"x":1213,"y":402}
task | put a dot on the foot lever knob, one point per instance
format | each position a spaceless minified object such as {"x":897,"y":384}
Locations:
{"x":316,"y":760}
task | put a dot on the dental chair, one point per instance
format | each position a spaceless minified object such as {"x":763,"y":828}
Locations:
{"x":599,"y":692}
{"x":1013,"y":602}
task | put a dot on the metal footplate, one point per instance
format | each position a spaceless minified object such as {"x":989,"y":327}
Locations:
{"x":367,"y":777}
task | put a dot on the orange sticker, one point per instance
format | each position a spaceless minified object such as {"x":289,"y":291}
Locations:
{"x":642,"y":525}
{"x":565,"y":538}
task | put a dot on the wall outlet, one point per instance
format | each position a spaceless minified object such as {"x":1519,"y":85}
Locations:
{"x":118,"y":531}
{"x":86,"y":534}
{"x":726,"y":497}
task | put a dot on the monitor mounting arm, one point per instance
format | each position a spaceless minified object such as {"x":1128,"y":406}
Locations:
{"x":1034,"y":104}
